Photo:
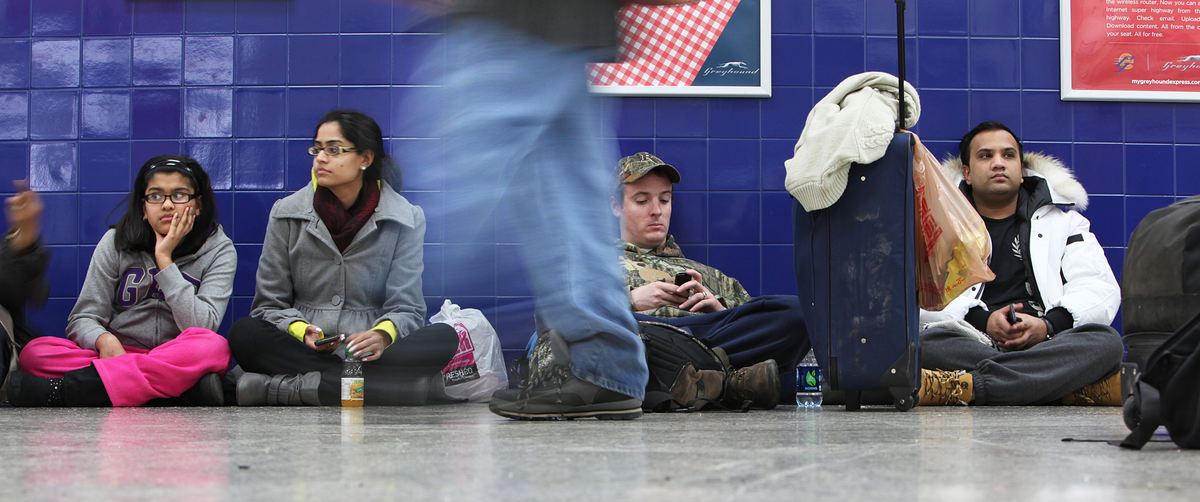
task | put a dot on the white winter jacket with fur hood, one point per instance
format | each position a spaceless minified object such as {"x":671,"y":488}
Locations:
{"x":1069,"y":265}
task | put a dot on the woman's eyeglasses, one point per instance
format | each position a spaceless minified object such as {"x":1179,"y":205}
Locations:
{"x":176,"y":197}
{"x":332,"y":151}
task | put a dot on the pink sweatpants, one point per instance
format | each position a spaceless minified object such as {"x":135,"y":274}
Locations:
{"x":140,"y":375}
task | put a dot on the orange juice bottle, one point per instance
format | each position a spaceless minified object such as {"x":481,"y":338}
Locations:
{"x":352,"y":381}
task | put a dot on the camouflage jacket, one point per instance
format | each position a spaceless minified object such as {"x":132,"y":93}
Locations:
{"x":662,"y":263}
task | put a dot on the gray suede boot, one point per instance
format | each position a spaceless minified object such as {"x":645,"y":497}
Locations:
{"x":256,"y":389}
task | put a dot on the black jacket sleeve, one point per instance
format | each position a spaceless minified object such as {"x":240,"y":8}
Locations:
{"x":23,"y":276}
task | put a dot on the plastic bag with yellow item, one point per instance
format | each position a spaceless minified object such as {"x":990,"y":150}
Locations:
{"x":952,"y":241}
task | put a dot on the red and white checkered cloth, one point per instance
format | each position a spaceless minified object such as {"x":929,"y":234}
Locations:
{"x":664,"y":46}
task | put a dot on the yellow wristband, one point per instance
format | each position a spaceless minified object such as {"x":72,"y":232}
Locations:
{"x":388,"y":327}
{"x":297,"y":329}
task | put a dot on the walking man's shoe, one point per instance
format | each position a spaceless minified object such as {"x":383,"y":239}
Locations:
{"x":551,"y":391}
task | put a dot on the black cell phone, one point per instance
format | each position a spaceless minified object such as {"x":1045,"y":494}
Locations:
{"x":682,"y":278}
{"x":1012,"y":314}
{"x":330,"y":338}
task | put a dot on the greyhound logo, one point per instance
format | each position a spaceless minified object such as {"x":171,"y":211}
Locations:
{"x":735,"y":68}
{"x":1185,"y":63}
{"x":1124,"y":62}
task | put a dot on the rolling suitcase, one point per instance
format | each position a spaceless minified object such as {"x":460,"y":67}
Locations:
{"x":856,"y":279}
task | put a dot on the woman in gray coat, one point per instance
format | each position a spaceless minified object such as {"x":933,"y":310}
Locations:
{"x":341,"y":265}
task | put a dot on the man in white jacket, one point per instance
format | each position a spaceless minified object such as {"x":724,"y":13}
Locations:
{"x":1039,"y":332}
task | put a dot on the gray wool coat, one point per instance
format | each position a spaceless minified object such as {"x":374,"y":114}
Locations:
{"x":303,"y":277}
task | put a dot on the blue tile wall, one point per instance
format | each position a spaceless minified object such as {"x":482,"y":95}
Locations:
{"x":14,"y":64}
{"x":57,"y":17}
{"x":158,"y":18}
{"x":208,"y":60}
{"x":107,"y":62}
{"x":209,"y":16}
{"x":55,"y":63}
{"x":89,"y":89}
{"x":105,"y":17}
{"x":157,"y":60}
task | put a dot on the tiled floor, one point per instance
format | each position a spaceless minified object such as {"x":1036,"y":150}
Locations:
{"x":462,"y":452}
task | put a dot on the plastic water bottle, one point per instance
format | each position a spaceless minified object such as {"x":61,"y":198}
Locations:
{"x":808,"y":382}
{"x":352,"y":380}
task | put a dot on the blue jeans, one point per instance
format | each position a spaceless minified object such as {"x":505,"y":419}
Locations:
{"x":522,"y":135}
{"x":766,"y":327}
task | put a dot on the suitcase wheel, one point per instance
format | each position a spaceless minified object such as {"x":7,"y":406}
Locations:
{"x":853,"y":400}
{"x":904,"y":398}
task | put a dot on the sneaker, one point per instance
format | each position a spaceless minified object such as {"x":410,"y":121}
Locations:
{"x":946,"y":388}
{"x":758,"y":384}
{"x":1106,"y":392}
{"x":551,"y":391}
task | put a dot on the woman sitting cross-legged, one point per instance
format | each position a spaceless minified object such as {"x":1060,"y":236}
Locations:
{"x":341,"y":260}
{"x":156,"y":288}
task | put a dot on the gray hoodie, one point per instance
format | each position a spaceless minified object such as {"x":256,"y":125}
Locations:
{"x":125,"y":293}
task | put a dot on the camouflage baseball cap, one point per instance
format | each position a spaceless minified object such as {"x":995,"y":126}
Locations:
{"x":633,"y":167}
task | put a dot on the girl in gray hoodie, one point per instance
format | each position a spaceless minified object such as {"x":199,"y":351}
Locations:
{"x":156,"y":288}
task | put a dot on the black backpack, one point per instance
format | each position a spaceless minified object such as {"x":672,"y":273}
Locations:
{"x":1160,"y":280}
{"x":684,"y":371}
{"x":1168,"y":391}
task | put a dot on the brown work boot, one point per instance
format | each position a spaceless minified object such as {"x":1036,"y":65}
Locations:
{"x":1106,"y":392}
{"x":758,"y":384}
{"x":946,"y":388}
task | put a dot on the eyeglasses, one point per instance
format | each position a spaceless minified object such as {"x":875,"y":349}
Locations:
{"x":332,"y":151}
{"x":176,"y":197}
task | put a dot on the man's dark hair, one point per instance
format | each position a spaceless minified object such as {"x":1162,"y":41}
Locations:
{"x":134,"y":232}
{"x":964,"y":146}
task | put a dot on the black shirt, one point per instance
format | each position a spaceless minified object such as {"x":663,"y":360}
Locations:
{"x":1008,"y":263}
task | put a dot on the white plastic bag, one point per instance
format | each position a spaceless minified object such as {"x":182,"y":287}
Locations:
{"x":477,"y":369}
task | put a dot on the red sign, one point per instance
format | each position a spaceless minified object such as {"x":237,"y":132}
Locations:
{"x":1131,"y":49}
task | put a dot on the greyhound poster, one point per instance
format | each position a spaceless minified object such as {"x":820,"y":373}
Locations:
{"x":1130,"y":50}
{"x":699,"y":48}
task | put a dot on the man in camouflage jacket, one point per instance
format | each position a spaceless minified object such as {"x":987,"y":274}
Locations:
{"x":712,"y":305}
{"x":662,"y":263}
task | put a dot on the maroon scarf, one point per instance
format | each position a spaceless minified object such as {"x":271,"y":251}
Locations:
{"x":344,"y":224}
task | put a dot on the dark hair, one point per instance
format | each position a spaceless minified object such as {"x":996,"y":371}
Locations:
{"x":362,"y":130}
{"x":134,"y":232}
{"x":964,"y":146}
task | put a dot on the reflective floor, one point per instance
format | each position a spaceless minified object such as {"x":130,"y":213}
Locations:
{"x":463,"y":452}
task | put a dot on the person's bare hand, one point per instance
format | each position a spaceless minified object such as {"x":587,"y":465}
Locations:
{"x":24,"y":214}
{"x":1030,"y":331}
{"x":699,"y":297}
{"x":313,"y":333}
{"x":999,"y":328}
{"x":109,"y":346}
{"x":368,"y":345}
{"x":164,"y":245}
{"x":654,"y":295}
